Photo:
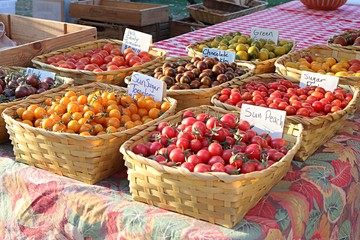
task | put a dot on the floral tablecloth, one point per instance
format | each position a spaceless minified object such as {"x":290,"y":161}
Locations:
{"x":318,"y":199}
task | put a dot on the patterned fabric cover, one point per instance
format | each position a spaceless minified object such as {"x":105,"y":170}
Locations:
{"x":318,"y":199}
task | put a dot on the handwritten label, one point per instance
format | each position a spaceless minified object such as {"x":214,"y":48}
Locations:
{"x":41,"y":73}
{"x":329,"y":83}
{"x":264,"y":120}
{"x":264,"y":33}
{"x":222,"y":55}
{"x":136,"y":40}
{"x":147,"y":85}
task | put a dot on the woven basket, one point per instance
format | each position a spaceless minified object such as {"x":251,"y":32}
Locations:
{"x":267,"y":66}
{"x":316,"y":51}
{"x":345,"y":33}
{"x":211,"y":16}
{"x":195,"y":97}
{"x":83,"y":76}
{"x":316,"y":131}
{"x":214,"y":197}
{"x":85,"y":158}
{"x":68,"y":82}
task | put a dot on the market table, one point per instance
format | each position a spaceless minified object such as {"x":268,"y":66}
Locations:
{"x":318,"y":199}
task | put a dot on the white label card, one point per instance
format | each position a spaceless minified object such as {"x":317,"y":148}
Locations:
{"x":41,"y":73}
{"x":329,"y":83}
{"x":147,"y":85}
{"x":136,"y":40}
{"x":264,"y":120}
{"x":265,"y":33}
{"x":222,"y":55}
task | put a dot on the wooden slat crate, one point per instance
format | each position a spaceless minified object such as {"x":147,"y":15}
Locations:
{"x":185,"y":25}
{"x":159,"y":31}
{"x":35,"y":36}
{"x":131,"y":13}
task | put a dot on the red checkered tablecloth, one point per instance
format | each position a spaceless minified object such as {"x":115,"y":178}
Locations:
{"x":293,"y":20}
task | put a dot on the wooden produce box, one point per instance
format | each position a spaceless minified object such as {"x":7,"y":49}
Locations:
{"x":221,"y":12}
{"x":131,"y":13}
{"x":159,"y":31}
{"x":185,"y":25}
{"x":36,"y":36}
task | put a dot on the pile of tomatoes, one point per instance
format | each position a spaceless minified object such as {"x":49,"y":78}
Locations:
{"x":97,"y":113}
{"x":107,"y":58}
{"x":206,"y":143}
{"x":310,"y":101}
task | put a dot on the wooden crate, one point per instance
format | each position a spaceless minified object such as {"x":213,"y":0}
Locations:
{"x":185,"y":25}
{"x":214,"y":16}
{"x":159,"y":31}
{"x":57,"y":10}
{"x":130,"y":13}
{"x":36,"y":36}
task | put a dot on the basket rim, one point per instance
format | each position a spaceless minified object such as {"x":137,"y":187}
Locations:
{"x":6,"y":116}
{"x":350,"y":47}
{"x":190,"y":49}
{"x":303,"y":120}
{"x":280,"y":62}
{"x":67,"y":82}
{"x":208,"y":175}
{"x":37,"y":60}
{"x":250,"y":66}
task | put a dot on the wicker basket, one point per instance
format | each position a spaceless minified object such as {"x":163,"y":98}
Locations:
{"x":211,"y":16}
{"x":345,"y":33}
{"x":214,"y":197}
{"x":316,"y":131}
{"x":85,"y":158}
{"x":195,"y":97}
{"x":316,"y":51}
{"x":68,"y":82}
{"x":267,"y":66}
{"x":83,"y":76}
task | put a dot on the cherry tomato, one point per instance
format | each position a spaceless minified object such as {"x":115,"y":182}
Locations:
{"x":204,"y":155}
{"x":253,"y":151}
{"x":215,"y":149}
{"x":248,"y":167}
{"x":195,"y":145}
{"x":168,"y":131}
{"x":182,"y":143}
{"x":189,"y":166}
{"x":194,"y":159}
{"x":201,"y":168}
{"x":244,"y":125}
{"x":177,"y":155}
{"x":154,"y":147}
{"x":217,"y":167}
{"x":277,"y":143}
{"x":141,"y":149}
{"x":231,"y":170}
{"x":318,"y":106}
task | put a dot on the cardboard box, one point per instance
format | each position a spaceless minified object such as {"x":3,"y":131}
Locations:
{"x":185,"y":25}
{"x":159,"y":31}
{"x":36,"y":36}
{"x":130,"y":13}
